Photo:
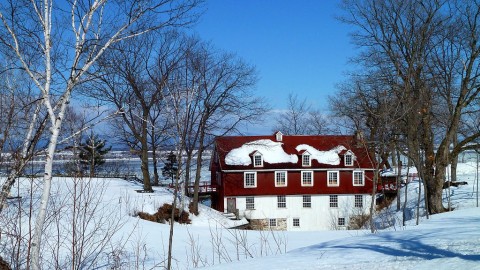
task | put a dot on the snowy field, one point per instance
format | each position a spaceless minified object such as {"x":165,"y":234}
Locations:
{"x":115,"y":237}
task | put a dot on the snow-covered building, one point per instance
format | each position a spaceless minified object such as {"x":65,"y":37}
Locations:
{"x":285,"y":182}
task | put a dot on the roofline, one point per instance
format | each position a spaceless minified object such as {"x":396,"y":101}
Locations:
{"x":303,"y":169}
{"x":272,"y":135}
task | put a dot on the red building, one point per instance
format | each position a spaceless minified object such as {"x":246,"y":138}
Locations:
{"x":292,"y":182}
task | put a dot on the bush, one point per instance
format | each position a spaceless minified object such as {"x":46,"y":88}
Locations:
{"x":164,"y":214}
{"x":359,"y":221}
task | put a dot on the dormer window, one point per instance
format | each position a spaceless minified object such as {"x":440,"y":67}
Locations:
{"x":348,"y":159}
{"x":306,"y":161}
{"x":257,"y":160}
{"x":279,"y":136}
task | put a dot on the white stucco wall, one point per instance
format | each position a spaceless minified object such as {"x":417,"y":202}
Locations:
{"x":319,"y":217}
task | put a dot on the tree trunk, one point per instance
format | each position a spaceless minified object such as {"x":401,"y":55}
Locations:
{"x":147,"y":187}
{"x":47,"y":184}
{"x":395,"y":153}
{"x":398,"y":180}
{"x":154,"y":159}
{"x":174,"y":204}
{"x":454,"y":161}
{"x":198,"y":174}
{"x":372,"y":203}
{"x":435,"y":189}
{"x":188,"y":163}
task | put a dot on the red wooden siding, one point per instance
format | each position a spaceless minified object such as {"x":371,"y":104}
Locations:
{"x":234,"y":184}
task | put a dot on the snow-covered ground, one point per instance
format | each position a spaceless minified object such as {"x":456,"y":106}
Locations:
{"x":445,"y":241}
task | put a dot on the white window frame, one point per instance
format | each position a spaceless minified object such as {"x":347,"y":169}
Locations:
{"x":348,"y":154}
{"x":250,"y":205}
{"x":304,"y":164}
{"x":341,"y":222}
{"x":272,"y":222}
{"x":307,"y":201}
{"x":279,"y":136}
{"x":329,"y":179}
{"x":254,"y":160}
{"x":296,"y":222}
{"x":254,"y":179}
{"x":358,"y":201}
{"x":333,"y":201}
{"x":281,"y":201}
{"x":277,"y":178}
{"x":362,"y":179}
{"x":302,"y":179}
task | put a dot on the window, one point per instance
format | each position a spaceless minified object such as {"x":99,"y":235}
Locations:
{"x":281,"y":179}
{"x":257,"y":160}
{"x":333,"y":201}
{"x":250,"y":201}
{"x":296,"y":222}
{"x":306,"y":160}
{"x":250,"y":179}
{"x":348,"y":160}
{"x":358,"y":178}
{"x":307,"y":201}
{"x":272,"y":222}
{"x":332,"y":179}
{"x":358,"y":201}
{"x":281,"y":201}
{"x":341,"y":221}
{"x":279,"y":136}
{"x":307,"y":178}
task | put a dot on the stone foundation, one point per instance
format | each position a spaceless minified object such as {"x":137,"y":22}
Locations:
{"x":264,"y":224}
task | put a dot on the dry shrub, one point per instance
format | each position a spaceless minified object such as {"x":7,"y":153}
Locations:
{"x":146,"y":216}
{"x":164,"y":214}
{"x":359,"y":221}
{"x":190,"y":209}
{"x":385,"y":202}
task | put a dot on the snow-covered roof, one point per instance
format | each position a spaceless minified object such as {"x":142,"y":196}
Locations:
{"x":325,"y":157}
{"x":272,"y":152}
{"x":327,"y":151}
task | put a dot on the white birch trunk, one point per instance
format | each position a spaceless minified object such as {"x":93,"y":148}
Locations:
{"x":47,"y":183}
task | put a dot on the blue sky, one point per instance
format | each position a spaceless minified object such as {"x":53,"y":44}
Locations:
{"x":297,"y":46}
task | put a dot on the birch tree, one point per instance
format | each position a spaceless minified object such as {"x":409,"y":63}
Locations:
{"x":57,"y":43}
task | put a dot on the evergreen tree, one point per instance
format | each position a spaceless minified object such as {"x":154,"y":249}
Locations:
{"x":171,"y":166}
{"x":92,"y":153}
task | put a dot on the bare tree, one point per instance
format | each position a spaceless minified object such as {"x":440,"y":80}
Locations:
{"x":224,"y":100}
{"x":57,"y":57}
{"x":301,"y":119}
{"x":432,"y":49}
{"x":127,"y":85}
